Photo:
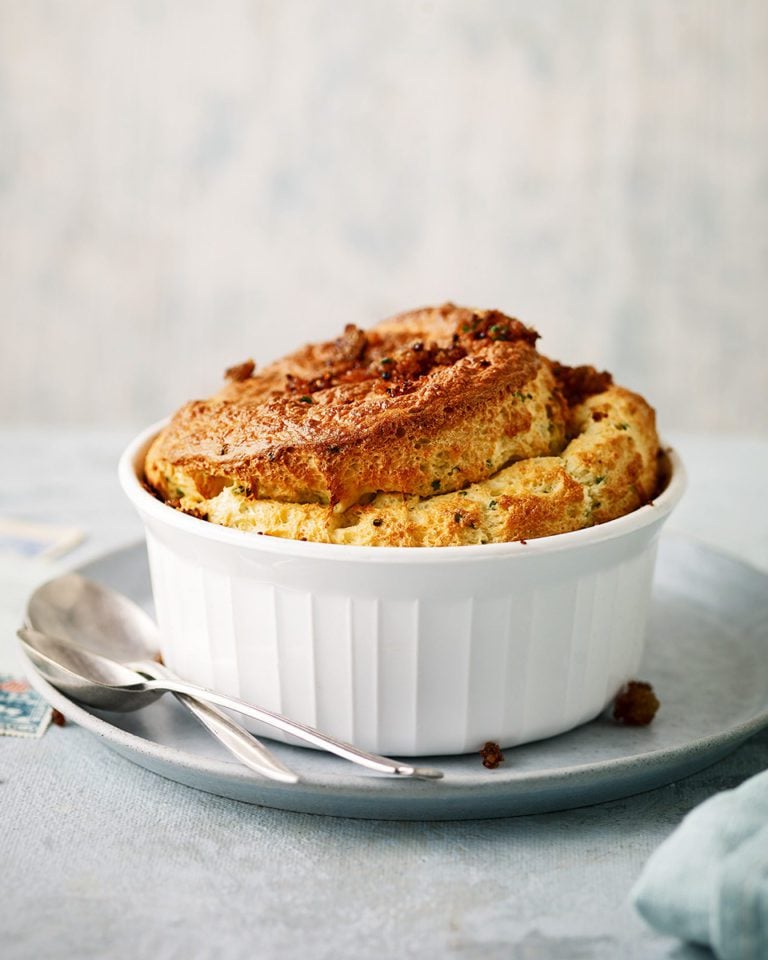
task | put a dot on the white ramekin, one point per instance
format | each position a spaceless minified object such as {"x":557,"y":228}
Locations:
{"x":405,"y":650}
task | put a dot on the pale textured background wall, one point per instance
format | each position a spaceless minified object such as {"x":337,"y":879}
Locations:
{"x":185,"y":184}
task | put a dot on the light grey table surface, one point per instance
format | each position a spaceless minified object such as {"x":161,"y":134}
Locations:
{"x":103,"y":859}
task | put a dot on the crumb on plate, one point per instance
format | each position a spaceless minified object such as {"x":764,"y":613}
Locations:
{"x":635,"y":704}
{"x":492,"y":755}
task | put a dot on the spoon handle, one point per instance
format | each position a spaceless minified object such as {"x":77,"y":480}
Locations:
{"x":298,"y":730}
{"x":235,"y":738}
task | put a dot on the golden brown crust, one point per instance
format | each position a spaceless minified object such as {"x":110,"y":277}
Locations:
{"x":429,"y":401}
{"x":438,"y":427}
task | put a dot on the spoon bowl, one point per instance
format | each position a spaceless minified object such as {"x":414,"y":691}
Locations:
{"x":85,"y":676}
{"x":95,"y":617}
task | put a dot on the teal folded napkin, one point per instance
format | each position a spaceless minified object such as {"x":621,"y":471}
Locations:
{"x":708,"y":882}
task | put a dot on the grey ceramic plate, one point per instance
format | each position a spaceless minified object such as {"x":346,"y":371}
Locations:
{"x":707,"y":658}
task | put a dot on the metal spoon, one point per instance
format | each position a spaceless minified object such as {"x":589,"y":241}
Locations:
{"x":102,"y":620}
{"x":109,"y":685}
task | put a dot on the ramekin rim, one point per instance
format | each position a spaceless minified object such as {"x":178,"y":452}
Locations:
{"x":651,"y":513}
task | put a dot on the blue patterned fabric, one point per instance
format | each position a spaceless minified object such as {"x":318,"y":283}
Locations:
{"x":22,"y":712}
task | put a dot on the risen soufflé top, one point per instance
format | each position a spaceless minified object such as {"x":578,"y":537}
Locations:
{"x":439,"y":427}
